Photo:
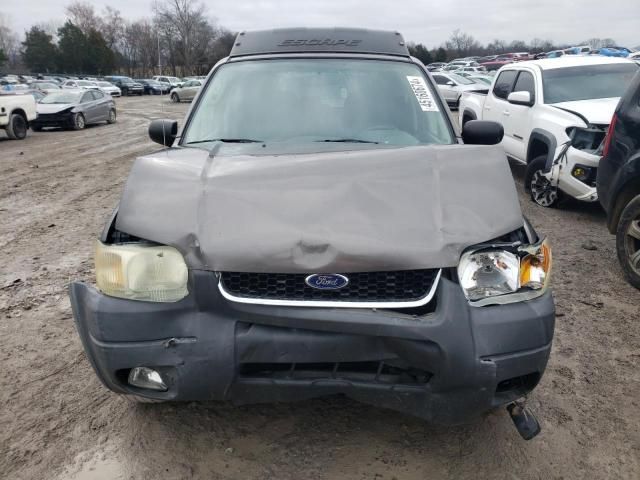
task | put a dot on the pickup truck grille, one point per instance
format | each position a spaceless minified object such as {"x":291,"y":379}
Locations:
{"x":383,"y":287}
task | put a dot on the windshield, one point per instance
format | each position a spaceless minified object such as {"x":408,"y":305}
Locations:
{"x":45,"y":85}
{"x":105,"y":84}
{"x":86,"y":83}
{"x":460,"y":79}
{"x":330,"y":100}
{"x":174,"y":79}
{"x":62,"y":97}
{"x":587,"y":82}
{"x":481,"y":80}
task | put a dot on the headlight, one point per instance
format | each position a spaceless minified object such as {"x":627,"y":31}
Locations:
{"x":139,"y":272}
{"x":488,"y":273}
{"x":494,"y":276}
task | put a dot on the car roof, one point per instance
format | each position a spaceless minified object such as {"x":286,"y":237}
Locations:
{"x":312,"y":40}
{"x":572,"y":61}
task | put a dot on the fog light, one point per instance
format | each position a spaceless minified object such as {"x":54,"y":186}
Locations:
{"x":581,"y":173}
{"x":143,"y":377}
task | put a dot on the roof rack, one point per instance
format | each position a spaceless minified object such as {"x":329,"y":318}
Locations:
{"x":314,"y":40}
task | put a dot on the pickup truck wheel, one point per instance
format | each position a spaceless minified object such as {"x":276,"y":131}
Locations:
{"x":628,"y":241}
{"x":542,"y":191}
{"x":17,"y":127}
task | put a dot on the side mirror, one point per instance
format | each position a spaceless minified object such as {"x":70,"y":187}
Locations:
{"x":482,"y":132}
{"x":520,"y":98}
{"x":163,"y":131}
{"x":451,"y":84}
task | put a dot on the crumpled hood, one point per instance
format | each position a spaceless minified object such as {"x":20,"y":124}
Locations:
{"x":598,"y":111}
{"x":44,"y":108}
{"x":365,"y":210}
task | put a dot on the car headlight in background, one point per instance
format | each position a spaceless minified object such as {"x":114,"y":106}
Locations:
{"x":494,"y":275}
{"x":141,"y":272}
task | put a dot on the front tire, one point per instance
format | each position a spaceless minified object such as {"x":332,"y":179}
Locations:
{"x":542,"y":191}
{"x":628,"y":241}
{"x":112,"y":116}
{"x":175,"y":98}
{"x":17,"y":127}
{"x":79,"y":122}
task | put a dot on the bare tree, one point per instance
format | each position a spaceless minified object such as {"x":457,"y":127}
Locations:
{"x":83,"y":16}
{"x":9,"y":42}
{"x":462,"y":43}
{"x":111,"y":26}
{"x":182,"y":23}
{"x":600,"y":42}
{"x":497,"y":46}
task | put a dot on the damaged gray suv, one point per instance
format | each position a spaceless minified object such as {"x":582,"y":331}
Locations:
{"x":320,"y":227}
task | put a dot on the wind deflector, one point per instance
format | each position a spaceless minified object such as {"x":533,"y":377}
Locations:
{"x":313,"y":40}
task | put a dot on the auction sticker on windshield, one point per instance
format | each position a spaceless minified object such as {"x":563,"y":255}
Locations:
{"x":420,"y":90}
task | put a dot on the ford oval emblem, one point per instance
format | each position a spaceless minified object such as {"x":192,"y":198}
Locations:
{"x":327,"y":281}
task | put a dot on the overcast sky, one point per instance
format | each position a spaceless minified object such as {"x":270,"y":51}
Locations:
{"x":428,"y":22}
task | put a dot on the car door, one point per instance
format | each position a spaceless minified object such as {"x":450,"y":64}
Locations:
{"x":102,"y":105}
{"x":518,"y":118}
{"x":88,"y":106}
{"x":496,"y":102}
{"x":194,"y":88}
{"x":448,"y":91}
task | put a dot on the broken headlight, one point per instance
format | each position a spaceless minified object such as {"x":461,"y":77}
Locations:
{"x":496,"y":275}
{"x":141,"y":272}
{"x":589,"y":139}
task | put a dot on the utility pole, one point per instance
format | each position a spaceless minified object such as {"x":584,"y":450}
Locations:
{"x":159,"y":61}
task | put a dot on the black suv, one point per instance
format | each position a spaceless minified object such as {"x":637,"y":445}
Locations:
{"x":619,"y":181}
{"x":126,"y":85}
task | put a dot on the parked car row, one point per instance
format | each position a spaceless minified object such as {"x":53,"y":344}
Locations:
{"x":64,"y":108}
{"x":114,"y":85}
{"x":491,"y":63}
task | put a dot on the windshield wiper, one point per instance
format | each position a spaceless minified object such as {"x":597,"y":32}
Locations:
{"x":227,"y":140}
{"x":346,"y":140}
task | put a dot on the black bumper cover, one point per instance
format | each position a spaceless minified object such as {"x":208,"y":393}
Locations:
{"x":201,"y":343}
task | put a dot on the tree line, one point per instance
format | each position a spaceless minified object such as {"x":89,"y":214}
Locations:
{"x":179,"y":36}
{"x":461,"y":44}
{"x":182,"y":38}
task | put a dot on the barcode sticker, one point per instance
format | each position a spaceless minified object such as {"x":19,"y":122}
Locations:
{"x":421,"y":91}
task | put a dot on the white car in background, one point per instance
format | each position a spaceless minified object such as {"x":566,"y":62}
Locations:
{"x":109,"y":88}
{"x":82,"y":84}
{"x":173,"y":81}
{"x":452,"y":86}
{"x":555,"y":114}
{"x":187,"y":91}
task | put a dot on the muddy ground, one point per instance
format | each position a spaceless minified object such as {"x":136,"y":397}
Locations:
{"x":58,"y":422}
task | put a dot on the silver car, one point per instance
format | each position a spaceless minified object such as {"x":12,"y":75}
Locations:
{"x":74,"y":109}
{"x":451,"y":86}
{"x":187,"y":91}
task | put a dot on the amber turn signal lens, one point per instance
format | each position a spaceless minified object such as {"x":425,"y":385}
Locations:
{"x":535,"y":268}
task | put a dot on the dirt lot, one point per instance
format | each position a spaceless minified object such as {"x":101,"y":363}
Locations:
{"x":58,"y":422}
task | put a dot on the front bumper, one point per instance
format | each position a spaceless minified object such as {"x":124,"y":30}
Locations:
{"x":447,"y":366}
{"x":54,"y":120}
{"x":585,"y":192}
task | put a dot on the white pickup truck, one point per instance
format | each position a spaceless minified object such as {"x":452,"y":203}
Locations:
{"x":555,"y":114}
{"x":16,"y":111}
